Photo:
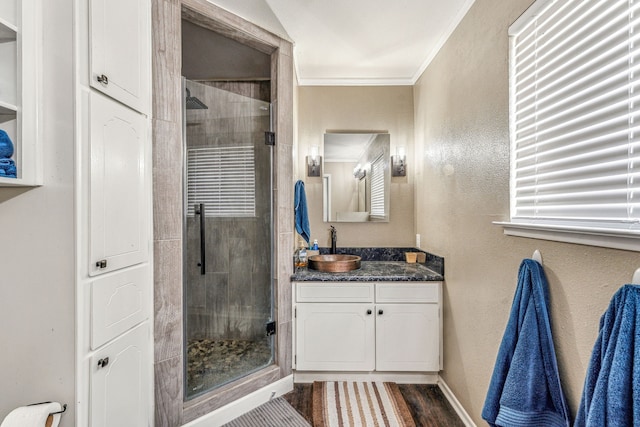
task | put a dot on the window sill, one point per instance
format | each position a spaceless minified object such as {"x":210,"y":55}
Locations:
{"x":616,"y":239}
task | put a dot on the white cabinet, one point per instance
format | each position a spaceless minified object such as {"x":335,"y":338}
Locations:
{"x":119,"y":200}
{"x":20,"y":87}
{"x":335,"y":337}
{"x":407,"y":337}
{"x":386,"y":327}
{"x":113,"y":148}
{"x":121,"y":382}
{"x":120,"y":50}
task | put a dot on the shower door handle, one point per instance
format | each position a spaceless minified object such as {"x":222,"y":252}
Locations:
{"x":199,"y":210}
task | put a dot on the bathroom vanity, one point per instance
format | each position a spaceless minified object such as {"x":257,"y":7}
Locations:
{"x":381,"y":321}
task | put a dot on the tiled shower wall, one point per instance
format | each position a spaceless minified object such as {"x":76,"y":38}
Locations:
{"x":233,"y":299}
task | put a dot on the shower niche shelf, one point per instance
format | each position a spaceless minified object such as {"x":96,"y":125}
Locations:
{"x":20,"y":89}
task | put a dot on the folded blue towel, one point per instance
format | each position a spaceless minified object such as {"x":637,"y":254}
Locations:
{"x":525,"y":387}
{"x":611,"y":393}
{"x":302,"y":218}
{"x":8,"y":168}
{"x":6,"y":146}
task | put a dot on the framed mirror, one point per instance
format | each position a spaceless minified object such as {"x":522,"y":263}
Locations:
{"x":356,"y":177}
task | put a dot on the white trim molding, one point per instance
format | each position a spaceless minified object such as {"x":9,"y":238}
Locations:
{"x":607,"y":238}
{"x":464,"y":416}
{"x":243,"y":405}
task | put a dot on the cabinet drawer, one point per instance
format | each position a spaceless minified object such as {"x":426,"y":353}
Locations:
{"x":118,"y":303}
{"x":334,"y":292}
{"x":408,"y":292}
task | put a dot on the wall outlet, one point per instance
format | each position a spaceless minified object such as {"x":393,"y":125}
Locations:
{"x":417,"y":240}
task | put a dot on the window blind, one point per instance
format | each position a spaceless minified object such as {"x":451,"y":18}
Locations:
{"x":574,"y":114}
{"x":377,"y":188}
{"x":223,"y":178}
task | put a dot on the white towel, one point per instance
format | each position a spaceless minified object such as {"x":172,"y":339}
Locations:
{"x":34,"y":416}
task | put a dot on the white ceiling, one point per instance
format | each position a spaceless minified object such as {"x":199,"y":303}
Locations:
{"x":357,"y":42}
{"x":366,"y":42}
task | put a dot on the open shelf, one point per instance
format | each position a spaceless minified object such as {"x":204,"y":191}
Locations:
{"x":20,"y":87}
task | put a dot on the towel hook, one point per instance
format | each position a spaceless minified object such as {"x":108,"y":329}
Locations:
{"x":636,"y":277}
{"x":537,"y":256}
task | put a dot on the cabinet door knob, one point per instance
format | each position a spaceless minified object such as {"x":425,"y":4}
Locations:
{"x":103,"y":79}
{"x":380,"y":312}
{"x":103,"y":362}
{"x":369,"y":311}
{"x":102,"y":263}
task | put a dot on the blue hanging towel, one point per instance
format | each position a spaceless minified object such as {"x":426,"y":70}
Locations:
{"x":525,"y":387}
{"x":611,"y":393}
{"x":300,"y":206}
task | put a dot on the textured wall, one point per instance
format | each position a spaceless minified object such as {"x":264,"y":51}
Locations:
{"x":462,"y":185}
{"x":368,"y":108}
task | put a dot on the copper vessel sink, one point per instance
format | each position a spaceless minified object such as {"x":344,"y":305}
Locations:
{"x":334,"y":263}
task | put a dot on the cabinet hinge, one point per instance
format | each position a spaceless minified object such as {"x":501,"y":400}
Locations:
{"x":295,"y":313}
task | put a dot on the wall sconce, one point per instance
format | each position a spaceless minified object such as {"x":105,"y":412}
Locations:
{"x":399,"y":163}
{"x":359,"y":172}
{"x":313,"y":162}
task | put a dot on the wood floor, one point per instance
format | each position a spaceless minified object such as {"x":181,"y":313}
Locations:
{"x":426,"y":402}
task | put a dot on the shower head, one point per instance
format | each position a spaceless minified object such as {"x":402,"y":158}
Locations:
{"x":193,"y":103}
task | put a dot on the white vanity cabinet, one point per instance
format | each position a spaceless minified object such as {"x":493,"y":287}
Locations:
{"x":408,"y":326}
{"x":356,"y":326}
{"x":335,"y":327}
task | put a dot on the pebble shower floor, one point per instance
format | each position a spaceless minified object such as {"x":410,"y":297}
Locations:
{"x":211,"y":363}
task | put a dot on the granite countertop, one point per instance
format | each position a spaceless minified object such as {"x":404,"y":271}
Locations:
{"x":372,"y":271}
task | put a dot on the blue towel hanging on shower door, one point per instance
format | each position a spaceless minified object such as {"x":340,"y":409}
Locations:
{"x":525,"y":387}
{"x":300,"y":207}
{"x":612,"y":385}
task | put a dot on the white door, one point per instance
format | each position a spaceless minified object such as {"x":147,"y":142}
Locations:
{"x":120,"y":50}
{"x":336,"y":337}
{"x":407,"y":337}
{"x":119,"y":219}
{"x":120,"y":381}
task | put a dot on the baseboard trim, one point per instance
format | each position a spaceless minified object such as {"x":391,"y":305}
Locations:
{"x":466,"y":419}
{"x":244,"y":404}
{"x":397,"y":377}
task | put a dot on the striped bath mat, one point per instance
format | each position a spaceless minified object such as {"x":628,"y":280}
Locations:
{"x":359,"y":404}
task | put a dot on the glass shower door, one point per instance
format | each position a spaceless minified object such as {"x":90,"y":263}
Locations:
{"x":228,"y":237}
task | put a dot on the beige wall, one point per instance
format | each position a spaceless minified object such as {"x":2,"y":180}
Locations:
{"x":462,"y":185}
{"x":369,"y":108}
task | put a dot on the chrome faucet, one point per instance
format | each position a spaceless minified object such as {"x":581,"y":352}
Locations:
{"x":334,"y":238}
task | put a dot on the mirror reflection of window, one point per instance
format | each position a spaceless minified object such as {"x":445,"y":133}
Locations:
{"x":377,"y":188}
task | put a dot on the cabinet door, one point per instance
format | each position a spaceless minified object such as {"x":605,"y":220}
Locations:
{"x":407,"y":337}
{"x":120,"y":50}
{"x":336,"y":337}
{"x":121,"y":383}
{"x":119,"y":218}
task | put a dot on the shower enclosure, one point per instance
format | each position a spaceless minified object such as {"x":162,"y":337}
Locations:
{"x":228,"y":235}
